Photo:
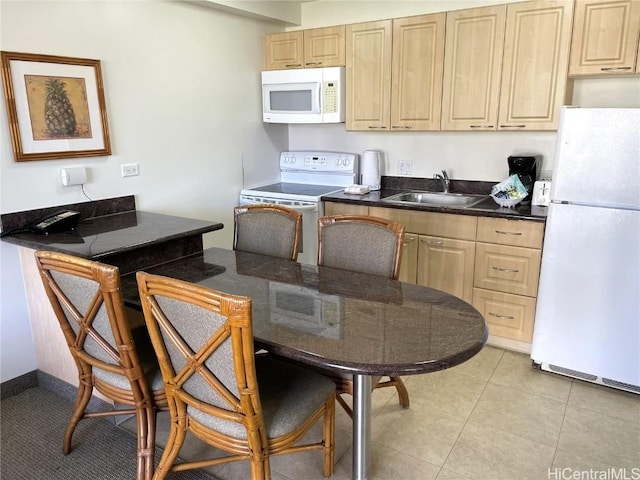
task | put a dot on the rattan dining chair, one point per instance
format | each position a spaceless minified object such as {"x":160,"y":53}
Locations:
{"x":87,"y":301}
{"x":362,"y":244}
{"x":249,"y":406}
{"x":272,"y":230}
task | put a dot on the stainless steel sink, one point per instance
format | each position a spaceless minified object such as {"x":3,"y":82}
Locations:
{"x":436,"y":199}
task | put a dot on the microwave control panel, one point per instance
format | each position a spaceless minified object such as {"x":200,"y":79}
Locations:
{"x":330,"y":96}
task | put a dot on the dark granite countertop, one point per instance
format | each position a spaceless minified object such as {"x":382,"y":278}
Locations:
{"x":100,"y":237}
{"x":486,"y":208}
{"x":370,"y":325}
{"x":113,"y":231}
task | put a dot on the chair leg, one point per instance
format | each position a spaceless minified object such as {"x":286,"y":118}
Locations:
{"x":177,"y":434}
{"x":146,"y":420}
{"x":328,"y":436}
{"x":403,"y":395}
{"x":82,"y":400}
{"x":260,"y":468}
{"x":345,"y":406}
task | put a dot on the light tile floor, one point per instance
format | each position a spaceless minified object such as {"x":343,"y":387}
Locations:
{"x":491,"y":418}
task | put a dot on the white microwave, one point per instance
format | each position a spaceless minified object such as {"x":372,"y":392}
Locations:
{"x":307,"y":95}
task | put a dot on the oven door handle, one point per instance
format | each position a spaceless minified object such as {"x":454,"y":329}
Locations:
{"x":287,"y":203}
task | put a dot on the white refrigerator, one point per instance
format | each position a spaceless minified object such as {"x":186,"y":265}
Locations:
{"x":587,"y":322}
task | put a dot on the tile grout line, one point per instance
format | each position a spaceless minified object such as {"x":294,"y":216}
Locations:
{"x":486,"y":383}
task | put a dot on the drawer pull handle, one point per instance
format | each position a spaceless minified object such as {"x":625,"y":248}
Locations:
{"x":508,"y":317}
{"x":481,"y":126}
{"x":408,"y":241}
{"x":508,"y":270}
{"x":432,"y":242}
{"x":400,"y":127}
{"x":293,"y":65}
{"x":512,"y":126}
{"x":609,"y":69}
{"x":502,"y":232}
{"x":313,"y":63}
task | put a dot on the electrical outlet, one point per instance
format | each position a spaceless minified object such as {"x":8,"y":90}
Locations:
{"x":404,"y":167}
{"x":129,"y":169}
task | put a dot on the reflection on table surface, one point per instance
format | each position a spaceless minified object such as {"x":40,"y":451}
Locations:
{"x":376,"y":326}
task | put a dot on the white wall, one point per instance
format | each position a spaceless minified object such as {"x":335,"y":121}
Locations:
{"x":183,"y":100}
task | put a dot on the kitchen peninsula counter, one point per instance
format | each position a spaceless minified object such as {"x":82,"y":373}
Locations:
{"x":110,"y":231}
{"x":120,"y":235}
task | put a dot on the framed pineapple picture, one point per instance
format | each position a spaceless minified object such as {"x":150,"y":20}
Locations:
{"x":55,"y":106}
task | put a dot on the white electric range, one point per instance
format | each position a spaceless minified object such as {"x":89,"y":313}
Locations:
{"x":305,"y":176}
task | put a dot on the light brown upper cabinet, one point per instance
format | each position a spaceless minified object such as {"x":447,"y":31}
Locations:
{"x":605,"y":37}
{"x":368,"y":75}
{"x":394,"y":73}
{"x":472,"y":63}
{"x":316,"y":47}
{"x":534,"y":82}
{"x":416,"y":74}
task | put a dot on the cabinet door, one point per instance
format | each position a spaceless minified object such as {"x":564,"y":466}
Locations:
{"x":446,"y":264}
{"x":605,"y":34}
{"x":368,"y":75}
{"x":416,"y":74}
{"x":473,"y":57}
{"x":534,"y":70}
{"x":324,"y":47}
{"x":409,"y":258}
{"x":283,"y":50}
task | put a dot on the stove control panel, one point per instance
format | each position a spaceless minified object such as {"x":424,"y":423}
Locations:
{"x":325,"y":162}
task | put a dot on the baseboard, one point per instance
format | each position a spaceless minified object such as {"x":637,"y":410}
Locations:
{"x":18,"y":385}
{"x":36,"y":378}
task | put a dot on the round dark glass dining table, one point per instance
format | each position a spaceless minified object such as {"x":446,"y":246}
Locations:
{"x":360,"y":324}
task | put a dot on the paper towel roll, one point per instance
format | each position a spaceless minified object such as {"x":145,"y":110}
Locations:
{"x":371,"y":169}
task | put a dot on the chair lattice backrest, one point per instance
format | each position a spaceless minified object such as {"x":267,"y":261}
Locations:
{"x":86,"y":298}
{"x":204,"y":343}
{"x":267,"y":229}
{"x":360,"y":243}
{"x":87,"y":301}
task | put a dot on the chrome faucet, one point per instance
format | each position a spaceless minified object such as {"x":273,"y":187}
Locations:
{"x":444,"y":178}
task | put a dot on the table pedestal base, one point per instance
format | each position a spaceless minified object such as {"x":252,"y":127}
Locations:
{"x":361,"y":426}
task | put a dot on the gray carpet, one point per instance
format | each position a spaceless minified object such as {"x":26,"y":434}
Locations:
{"x":31,"y":432}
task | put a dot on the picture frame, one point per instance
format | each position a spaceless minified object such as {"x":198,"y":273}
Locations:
{"x":55,"y":106}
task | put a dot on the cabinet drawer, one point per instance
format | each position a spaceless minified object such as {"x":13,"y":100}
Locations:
{"x":507,"y":269}
{"x":520,"y":233}
{"x":446,"y":225}
{"x":508,"y":316}
{"x":333,"y":208}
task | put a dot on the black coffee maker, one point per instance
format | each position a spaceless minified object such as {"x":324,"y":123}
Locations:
{"x":526,"y":167}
